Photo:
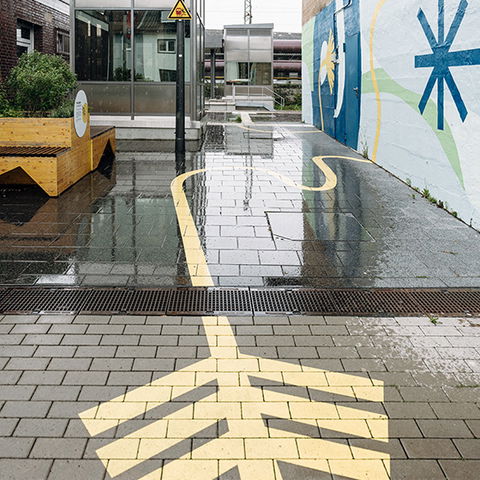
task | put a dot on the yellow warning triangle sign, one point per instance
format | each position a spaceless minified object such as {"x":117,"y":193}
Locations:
{"x":180,"y":12}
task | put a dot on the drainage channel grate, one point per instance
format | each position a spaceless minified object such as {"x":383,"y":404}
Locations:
{"x":207,"y":301}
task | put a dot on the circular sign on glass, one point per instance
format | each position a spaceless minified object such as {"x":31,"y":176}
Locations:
{"x":81,"y":113}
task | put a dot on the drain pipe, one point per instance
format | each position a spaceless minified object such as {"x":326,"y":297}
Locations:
{"x":349,"y":4}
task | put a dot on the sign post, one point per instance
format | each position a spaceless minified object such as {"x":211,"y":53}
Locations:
{"x":180,"y":13}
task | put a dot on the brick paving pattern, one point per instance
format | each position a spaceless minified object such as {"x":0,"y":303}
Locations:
{"x":271,"y":397}
{"x":118,"y":227}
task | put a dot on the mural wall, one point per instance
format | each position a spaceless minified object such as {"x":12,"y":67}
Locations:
{"x":400,"y":81}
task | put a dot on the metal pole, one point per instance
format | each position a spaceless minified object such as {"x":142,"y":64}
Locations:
{"x":180,"y":119}
{"x":213,"y":71}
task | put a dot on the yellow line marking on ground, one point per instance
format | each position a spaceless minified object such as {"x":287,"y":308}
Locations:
{"x":195,"y":256}
{"x":373,"y":25}
{"x":209,"y":419}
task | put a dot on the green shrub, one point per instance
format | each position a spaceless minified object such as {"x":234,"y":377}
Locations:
{"x":40,"y":83}
{"x":66,"y":110}
{"x":6,"y":110}
{"x":4,"y":105}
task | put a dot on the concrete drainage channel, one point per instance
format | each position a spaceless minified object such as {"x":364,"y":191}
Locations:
{"x":241,"y":301}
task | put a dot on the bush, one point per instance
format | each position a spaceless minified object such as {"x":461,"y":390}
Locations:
{"x":4,"y":105}
{"x":66,"y":110}
{"x":40,"y":83}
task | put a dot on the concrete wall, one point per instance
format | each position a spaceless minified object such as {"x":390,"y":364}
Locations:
{"x":422,"y":132}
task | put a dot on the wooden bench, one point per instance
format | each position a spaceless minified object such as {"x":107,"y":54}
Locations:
{"x":49,"y":152}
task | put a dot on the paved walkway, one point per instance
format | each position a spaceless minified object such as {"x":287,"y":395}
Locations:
{"x":280,"y":205}
{"x":239,"y":398}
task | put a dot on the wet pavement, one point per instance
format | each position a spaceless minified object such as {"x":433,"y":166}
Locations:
{"x":265,"y":213}
{"x":239,"y":398}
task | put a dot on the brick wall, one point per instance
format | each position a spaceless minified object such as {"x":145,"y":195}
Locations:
{"x":45,"y":19}
{"x":312,"y":7}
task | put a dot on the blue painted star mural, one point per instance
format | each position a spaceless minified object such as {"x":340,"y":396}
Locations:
{"x":441,"y":59}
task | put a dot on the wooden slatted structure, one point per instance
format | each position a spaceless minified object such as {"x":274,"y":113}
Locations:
{"x":49,"y":152}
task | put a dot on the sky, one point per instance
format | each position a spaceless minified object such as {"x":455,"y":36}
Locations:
{"x":285,"y":14}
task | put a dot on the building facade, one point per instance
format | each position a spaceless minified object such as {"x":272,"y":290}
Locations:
{"x":124,"y":54}
{"x":400,"y":82}
{"x":27,"y":25}
{"x":287,"y":56}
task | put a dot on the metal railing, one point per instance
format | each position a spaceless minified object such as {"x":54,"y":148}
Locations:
{"x":252,"y":91}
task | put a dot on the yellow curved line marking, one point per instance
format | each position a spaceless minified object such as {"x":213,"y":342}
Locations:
{"x":194,"y":253}
{"x":373,"y":25}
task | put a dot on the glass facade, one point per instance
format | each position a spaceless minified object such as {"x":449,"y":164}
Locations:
{"x":249,"y":56}
{"x":125,"y":58}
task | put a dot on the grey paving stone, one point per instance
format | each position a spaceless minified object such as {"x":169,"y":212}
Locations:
{"x":57,"y":448}
{"x":461,"y":469}
{"x":135,"y":352}
{"x":119,"y":340}
{"x":101,"y":394}
{"x":15,"y":447}
{"x":85,"y":378}
{"x":176,"y":352}
{"x":416,"y":469}
{"x":106,"y":329}
{"x":92,"y":319}
{"x":55,"y":351}
{"x":9,"y":377}
{"x":77,"y":470}
{"x":164,"y":340}
{"x":55,"y":319}
{"x":469,"y":448}
{"x":430,"y":448}
{"x":128,"y":320}
{"x":17,"y":350}
{"x":25,"y":409}
{"x":423,"y":394}
{"x":129,"y":378}
{"x":444,"y":428}
{"x":11,"y":339}
{"x":7,"y":426}
{"x":27,"y":363}
{"x":95,"y":352}
{"x":465,"y":411}
{"x":111,"y":364}
{"x":409,"y":410}
{"x":69,"y":364}
{"x":40,"y":428}
{"x":65,"y":409}
{"x":68,"y":329}
{"x":58,"y":392}
{"x":41,"y":378}
{"x":81,"y":339}
{"x":24,"y":469}
{"x":154,"y":364}
{"x":16,"y":392}
{"x":19,"y":319}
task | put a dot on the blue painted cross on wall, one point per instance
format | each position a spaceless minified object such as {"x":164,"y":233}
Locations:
{"x":442,"y":59}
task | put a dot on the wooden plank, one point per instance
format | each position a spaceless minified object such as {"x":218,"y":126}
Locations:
{"x":40,"y":132}
{"x":57,"y":173}
{"x":99,"y":144}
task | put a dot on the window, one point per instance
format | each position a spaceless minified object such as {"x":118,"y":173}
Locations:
{"x":168,"y":75}
{"x":103,"y":50}
{"x":166,"y":46}
{"x":25,"y":41}
{"x":155,"y":46}
{"x":63,"y":43}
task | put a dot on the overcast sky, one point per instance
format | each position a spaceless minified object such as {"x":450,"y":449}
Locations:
{"x":285,"y":14}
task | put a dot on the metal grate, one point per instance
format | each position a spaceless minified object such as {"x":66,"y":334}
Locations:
{"x":207,"y":301}
{"x":31,"y":151}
